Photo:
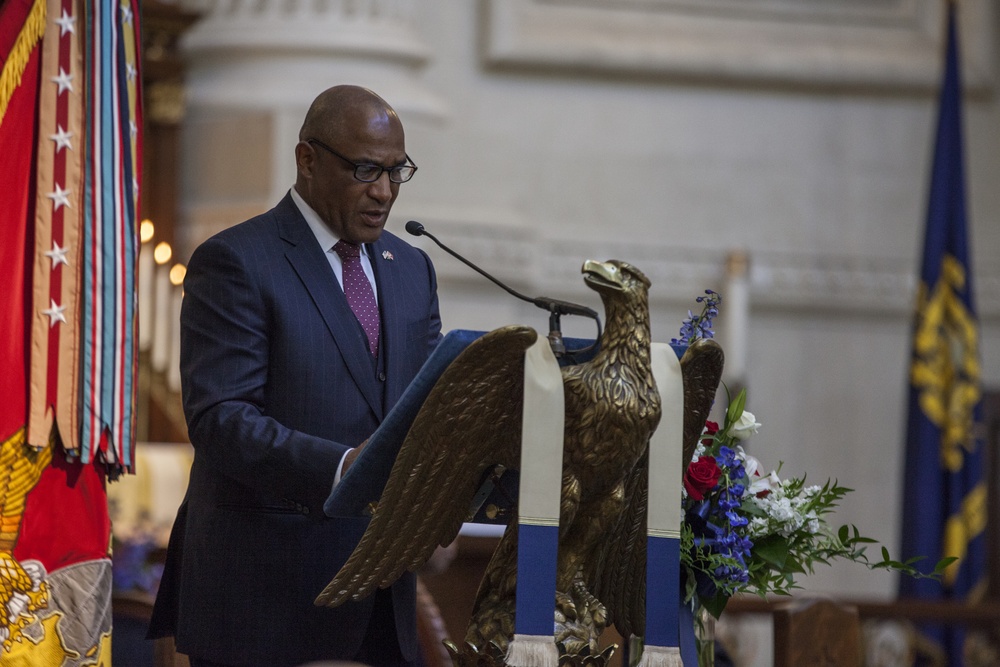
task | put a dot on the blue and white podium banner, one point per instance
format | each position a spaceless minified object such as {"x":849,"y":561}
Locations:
{"x":538,"y":510}
{"x":663,"y":533}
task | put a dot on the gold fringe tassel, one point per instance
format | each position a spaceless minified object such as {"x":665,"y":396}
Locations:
{"x":17,"y":60}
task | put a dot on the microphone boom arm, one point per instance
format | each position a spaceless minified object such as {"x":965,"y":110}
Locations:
{"x":556,"y":307}
{"x":475,"y":268}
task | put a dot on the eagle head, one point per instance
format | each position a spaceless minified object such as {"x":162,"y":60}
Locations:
{"x":614,"y":277}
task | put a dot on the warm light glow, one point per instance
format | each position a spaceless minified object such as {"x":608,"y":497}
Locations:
{"x":162,"y":252}
{"x":177,"y":272}
{"x":146,"y":231}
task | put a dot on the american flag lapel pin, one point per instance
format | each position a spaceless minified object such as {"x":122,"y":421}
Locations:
{"x":387,"y":255}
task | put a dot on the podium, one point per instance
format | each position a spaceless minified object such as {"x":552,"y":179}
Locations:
{"x":364,"y":481}
{"x":584,"y":440}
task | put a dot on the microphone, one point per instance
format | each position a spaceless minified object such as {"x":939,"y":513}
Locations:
{"x":556,"y":307}
{"x":545,"y":303}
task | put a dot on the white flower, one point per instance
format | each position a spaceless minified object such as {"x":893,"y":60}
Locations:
{"x":750,"y":463}
{"x":699,"y":451}
{"x":770,"y":483}
{"x":757,"y":527}
{"x":745,"y":426}
{"x":781,"y":510}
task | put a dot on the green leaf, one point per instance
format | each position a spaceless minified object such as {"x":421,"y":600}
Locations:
{"x":736,"y":405}
{"x":715,"y":605}
{"x":792,"y":565}
{"x":772,"y":550}
{"x":943,"y":564}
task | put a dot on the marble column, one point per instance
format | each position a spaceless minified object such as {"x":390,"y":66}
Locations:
{"x":254,"y":67}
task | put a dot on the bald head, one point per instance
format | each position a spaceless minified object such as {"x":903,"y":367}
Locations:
{"x":342,"y":109}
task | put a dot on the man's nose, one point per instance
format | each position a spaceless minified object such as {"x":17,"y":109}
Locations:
{"x":381,"y":188}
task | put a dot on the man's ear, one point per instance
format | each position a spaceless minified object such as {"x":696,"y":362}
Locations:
{"x":305,"y":158}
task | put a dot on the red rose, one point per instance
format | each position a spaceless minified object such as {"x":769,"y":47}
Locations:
{"x":711,"y":428}
{"x":701,"y":476}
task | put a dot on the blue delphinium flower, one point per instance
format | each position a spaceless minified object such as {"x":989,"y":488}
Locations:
{"x":715,"y":523}
{"x":700,"y":326}
{"x":132,"y":570}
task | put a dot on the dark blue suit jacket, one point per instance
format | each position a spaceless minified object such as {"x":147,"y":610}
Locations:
{"x":278,"y":383}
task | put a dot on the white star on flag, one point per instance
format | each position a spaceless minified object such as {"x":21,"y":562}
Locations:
{"x":65,"y":23}
{"x":57,"y":255}
{"x":64,"y":81}
{"x":132,"y":129}
{"x":126,"y":14}
{"x":61,"y":138}
{"x":55,"y":313}
{"x":59,"y":197}
{"x":130,"y":71}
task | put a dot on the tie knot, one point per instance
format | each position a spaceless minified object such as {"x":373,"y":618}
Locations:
{"x":347,"y":250}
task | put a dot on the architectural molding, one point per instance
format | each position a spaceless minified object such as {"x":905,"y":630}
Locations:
{"x":881,"y":44}
{"x":238,"y":44}
{"x":782,"y":281}
{"x":381,"y":29}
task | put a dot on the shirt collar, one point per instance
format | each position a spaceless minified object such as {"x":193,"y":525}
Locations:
{"x":324,"y":236}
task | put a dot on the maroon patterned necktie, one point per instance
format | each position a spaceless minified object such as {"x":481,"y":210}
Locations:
{"x":358,"y":291}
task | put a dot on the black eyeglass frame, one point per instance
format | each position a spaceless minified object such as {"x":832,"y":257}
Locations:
{"x":358,"y":166}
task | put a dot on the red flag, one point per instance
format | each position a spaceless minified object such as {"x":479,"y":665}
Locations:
{"x":19,"y":40}
{"x":55,"y":567}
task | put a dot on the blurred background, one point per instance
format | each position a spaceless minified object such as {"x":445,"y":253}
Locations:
{"x":776,"y":151}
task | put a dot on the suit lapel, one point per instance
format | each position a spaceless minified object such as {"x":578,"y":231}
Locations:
{"x":389,"y":295}
{"x":310,"y":263}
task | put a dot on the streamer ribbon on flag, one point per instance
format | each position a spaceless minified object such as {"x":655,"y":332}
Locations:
{"x":83,"y":343}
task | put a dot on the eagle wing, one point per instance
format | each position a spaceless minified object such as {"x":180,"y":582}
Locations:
{"x":619,"y":578}
{"x":469,"y":423}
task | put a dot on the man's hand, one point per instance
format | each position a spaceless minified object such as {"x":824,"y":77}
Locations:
{"x":350,"y":456}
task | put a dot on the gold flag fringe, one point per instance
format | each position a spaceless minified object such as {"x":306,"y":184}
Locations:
{"x":17,"y":60}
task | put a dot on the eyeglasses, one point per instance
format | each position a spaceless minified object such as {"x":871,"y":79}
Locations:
{"x":369,"y":173}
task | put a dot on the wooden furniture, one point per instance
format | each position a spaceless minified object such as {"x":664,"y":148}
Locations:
{"x":817,"y":633}
{"x":431,"y":630}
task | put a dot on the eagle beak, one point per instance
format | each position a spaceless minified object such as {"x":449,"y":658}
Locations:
{"x":601,"y":274}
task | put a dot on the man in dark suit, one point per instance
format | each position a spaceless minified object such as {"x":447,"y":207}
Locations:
{"x":282,"y":382}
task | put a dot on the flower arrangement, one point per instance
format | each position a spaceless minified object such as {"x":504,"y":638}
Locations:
{"x":133,"y":569}
{"x":747,"y":530}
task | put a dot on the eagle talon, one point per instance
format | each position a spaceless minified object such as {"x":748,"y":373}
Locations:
{"x":566,"y":606}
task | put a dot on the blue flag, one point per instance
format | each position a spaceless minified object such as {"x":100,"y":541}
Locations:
{"x":944,"y":501}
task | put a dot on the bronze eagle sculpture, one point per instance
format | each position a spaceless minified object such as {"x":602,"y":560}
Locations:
{"x":470,"y":423}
